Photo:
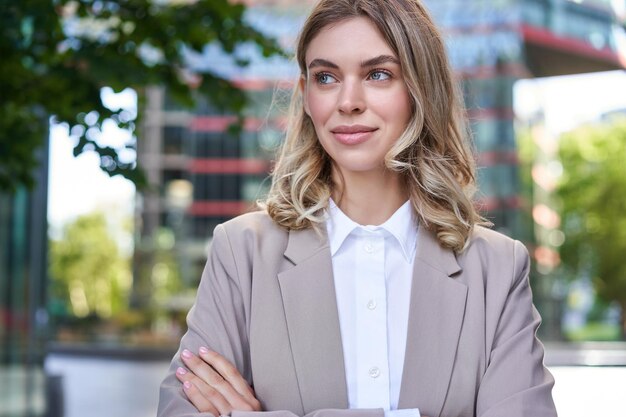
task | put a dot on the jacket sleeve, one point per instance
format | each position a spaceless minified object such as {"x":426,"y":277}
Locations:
{"x":516,"y":383}
{"x":218,"y":320}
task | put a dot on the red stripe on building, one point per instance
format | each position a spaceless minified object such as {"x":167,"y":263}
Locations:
{"x":219,"y":208}
{"x":548,"y":39}
{"x":221,"y":123}
{"x":493,"y":203}
{"x":229,"y":166}
{"x":260,"y":84}
{"x":498,"y":157}
{"x":513,"y":69}
{"x":505,"y":113}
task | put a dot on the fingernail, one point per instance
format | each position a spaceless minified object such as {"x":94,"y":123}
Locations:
{"x":187,"y":384}
{"x":187,"y":354}
{"x":181,"y":371}
{"x":204,"y":350}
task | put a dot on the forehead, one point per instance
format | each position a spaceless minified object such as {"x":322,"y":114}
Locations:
{"x":354,"y":39}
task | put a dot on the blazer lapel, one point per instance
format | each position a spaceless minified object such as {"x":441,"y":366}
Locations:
{"x":435,"y":319}
{"x":308,"y":294}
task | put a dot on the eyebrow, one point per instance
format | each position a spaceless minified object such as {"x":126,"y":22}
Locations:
{"x":381,"y":59}
{"x":319,"y":62}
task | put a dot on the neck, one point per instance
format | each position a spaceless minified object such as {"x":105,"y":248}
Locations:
{"x":369,"y":198}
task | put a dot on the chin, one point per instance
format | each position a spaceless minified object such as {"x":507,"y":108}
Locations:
{"x":361,"y":168}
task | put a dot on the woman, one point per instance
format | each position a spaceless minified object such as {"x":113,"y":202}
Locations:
{"x":365,"y":285}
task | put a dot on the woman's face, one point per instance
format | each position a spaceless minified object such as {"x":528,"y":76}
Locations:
{"x":355,"y":94}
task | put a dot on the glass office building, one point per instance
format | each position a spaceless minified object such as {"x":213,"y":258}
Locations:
{"x":492,"y":44}
{"x":23,"y":317}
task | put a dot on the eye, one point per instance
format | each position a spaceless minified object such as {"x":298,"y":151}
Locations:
{"x":379,"y":75}
{"x":324,"y":78}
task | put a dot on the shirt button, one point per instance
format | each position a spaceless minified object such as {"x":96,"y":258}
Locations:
{"x":371,"y":304}
{"x":374,"y":372}
{"x":369,"y":248}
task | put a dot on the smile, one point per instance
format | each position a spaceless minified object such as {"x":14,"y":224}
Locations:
{"x":353,"y":135}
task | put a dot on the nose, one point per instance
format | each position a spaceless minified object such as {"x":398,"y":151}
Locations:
{"x":351,"y":98}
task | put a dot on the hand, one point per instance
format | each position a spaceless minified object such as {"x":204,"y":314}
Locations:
{"x":214,"y":385}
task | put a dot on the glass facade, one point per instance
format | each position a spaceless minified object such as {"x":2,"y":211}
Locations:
{"x":486,"y":50}
{"x":491,"y":44}
{"x":23,"y":316}
{"x":588,"y":21}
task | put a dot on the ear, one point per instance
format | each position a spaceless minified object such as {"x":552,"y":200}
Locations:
{"x":305,"y":102}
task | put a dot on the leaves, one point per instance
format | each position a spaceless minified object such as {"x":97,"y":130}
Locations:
{"x":57,"y":55}
{"x":88,"y":272}
{"x":593,"y":206}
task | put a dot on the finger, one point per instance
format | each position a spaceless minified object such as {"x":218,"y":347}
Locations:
{"x":242,"y":399}
{"x":201,"y":368}
{"x":209,"y":393}
{"x":199,"y":401}
{"x":228,"y":371}
{"x":211,"y":383}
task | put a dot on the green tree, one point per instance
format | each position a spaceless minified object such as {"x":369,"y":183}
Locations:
{"x":593,"y":208}
{"x":57,"y":55}
{"x":89,"y":274}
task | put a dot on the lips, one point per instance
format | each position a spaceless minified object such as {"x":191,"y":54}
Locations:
{"x":354,"y":134}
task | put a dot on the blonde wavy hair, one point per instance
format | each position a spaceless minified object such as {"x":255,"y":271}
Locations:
{"x":433,"y":155}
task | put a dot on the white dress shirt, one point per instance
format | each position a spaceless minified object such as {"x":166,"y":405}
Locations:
{"x":373,"y":268}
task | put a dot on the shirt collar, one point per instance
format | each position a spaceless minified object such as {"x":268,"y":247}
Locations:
{"x":401,"y":225}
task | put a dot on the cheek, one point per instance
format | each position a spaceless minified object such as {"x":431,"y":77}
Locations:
{"x":397,"y":108}
{"x":318,"y":107}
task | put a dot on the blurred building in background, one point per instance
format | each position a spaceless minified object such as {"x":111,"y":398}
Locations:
{"x":203,"y":174}
{"x":23,"y":283}
{"x":494,"y":44}
{"x":201,"y":171}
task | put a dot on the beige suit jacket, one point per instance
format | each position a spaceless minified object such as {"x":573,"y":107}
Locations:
{"x":266,"y":301}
